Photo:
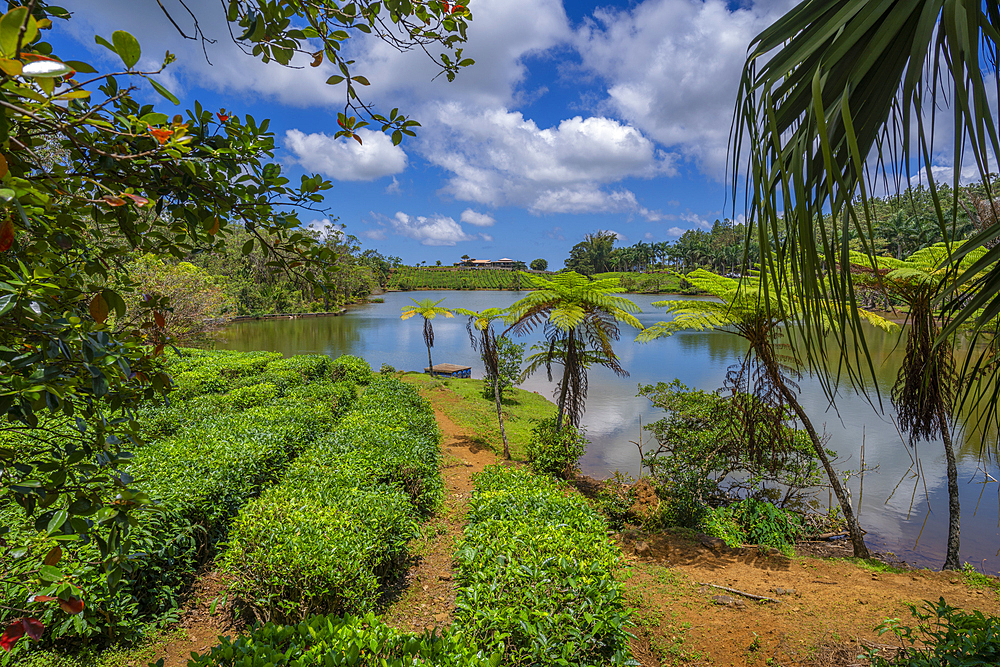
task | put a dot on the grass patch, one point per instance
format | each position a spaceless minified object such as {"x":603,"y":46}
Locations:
{"x":873,"y":565}
{"x":464,"y":404}
{"x":978,"y":580}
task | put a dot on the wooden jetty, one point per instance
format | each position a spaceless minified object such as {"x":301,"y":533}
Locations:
{"x":450,"y":370}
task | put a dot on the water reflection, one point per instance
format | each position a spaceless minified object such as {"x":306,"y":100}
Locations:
{"x":894,"y":502}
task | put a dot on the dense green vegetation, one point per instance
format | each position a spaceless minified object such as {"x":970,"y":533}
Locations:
{"x":338,"y":524}
{"x":420,"y":278}
{"x":358,"y":641}
{"x":535,"y":573}
{"x":235,"y":422}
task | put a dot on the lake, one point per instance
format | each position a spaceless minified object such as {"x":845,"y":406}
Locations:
{"x":903,"y":514}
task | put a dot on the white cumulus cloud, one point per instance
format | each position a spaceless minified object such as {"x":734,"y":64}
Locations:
{"x":476,"y":218}
{"x":435,"y":230}
{"x":345,"y":159}
{"x":498,"y":157}
{"x":672,"y":68}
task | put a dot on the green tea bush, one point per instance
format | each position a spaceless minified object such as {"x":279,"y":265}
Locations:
{"x":351,"y":369}
{"x":535,"y":573}
{"x":340,"y":521}
{"x":245,"y":397}
{"x":552,"y":452}
{"x":204,"y":456}
{"x":361,"y":641}
{"x":944,"y":636}
{"x":339,"y":397}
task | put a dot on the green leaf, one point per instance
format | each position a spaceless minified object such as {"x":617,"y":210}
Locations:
{"x":334,"y":80}
{"x":105,"y":43}
{"x":248,"y":247}
{"x":163,"y":91}
{"x":50,"y":573}
{"x":7,"y":302}
{"x":56,"y":522}
{"x":127,"y":47}
{"x":10,"y":30}
{"x":80,"y":66}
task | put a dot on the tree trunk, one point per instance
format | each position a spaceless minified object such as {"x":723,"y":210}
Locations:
{"x":853,"y":528}
{"x":503,"y":432}
{"x":951,"y":561}
{"x":570,"y":347}
{"x":427,"y":339}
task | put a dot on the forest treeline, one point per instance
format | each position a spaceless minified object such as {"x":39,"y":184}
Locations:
{"x":902,"y":224}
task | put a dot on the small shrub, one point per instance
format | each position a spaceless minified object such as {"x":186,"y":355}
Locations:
{"x":351,"y":369}
{"x":944,"y":636}
{"x":754,"y":521}
{"x":615,"y":499}
{"x":557,"y":453}
{"x":387,"y":369}
{"x":362,"y":641}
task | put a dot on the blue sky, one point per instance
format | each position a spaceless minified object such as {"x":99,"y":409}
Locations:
{"x":577,"y":116}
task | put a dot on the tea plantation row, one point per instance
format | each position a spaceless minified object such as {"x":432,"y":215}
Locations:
{"x":232,"y":427}
{"x":311,"y":477}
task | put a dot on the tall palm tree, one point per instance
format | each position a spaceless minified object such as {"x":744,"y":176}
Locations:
{"x":580,"y":318}
{"x":840,"y":97}
{"x":749,"y":309}
{"x":926,"y":385}
{"x":484,"y":340}
{"x":428,"y":310}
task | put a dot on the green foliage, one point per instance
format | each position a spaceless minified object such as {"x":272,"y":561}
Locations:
{"x":592,"y":254}
{"x":539,"y":264}
{"x":522,"y":409}
{"x":510,"y":355}
{"x":205,"y":456}
{"x":406,"y":278}
{"x":200,"y":303}
{"x":753,"y":521}
{"x":339,"y":522}
{"x":554,"y":451}
{"x":535,"y":573}
{"x":360,"y":641}
{"x":706,"y":448}
{"x":353,"y":370}
{"x":944,"y":636}
{"x":93,"y":179}
{"x":615,"y":499}
{"x":644,"y":283}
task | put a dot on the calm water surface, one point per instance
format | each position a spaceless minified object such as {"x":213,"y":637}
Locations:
{"x":899,"y":513}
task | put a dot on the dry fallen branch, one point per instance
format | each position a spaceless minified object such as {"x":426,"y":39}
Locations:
{"x":746,"y":595}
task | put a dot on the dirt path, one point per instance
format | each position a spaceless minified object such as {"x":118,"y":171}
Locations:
{"x":826,"y":607}
{"x":426,"y":596}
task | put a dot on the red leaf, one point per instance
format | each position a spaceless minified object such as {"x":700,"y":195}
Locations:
{"x":42,"y":598}
{"x":33,"y":628}
{"x":6,"y":235}
{"x":71,"y":606}
{"x":317,"y":59}
{"x":111,"y":200}
{"x":357,"y":138}
{"x":222,"y":116}
{"x":10,"y":636}
{"x":139,"y":201}
{"x":99,"y":308}
{"x":160,"y":320}
{"x":54,"y":556}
